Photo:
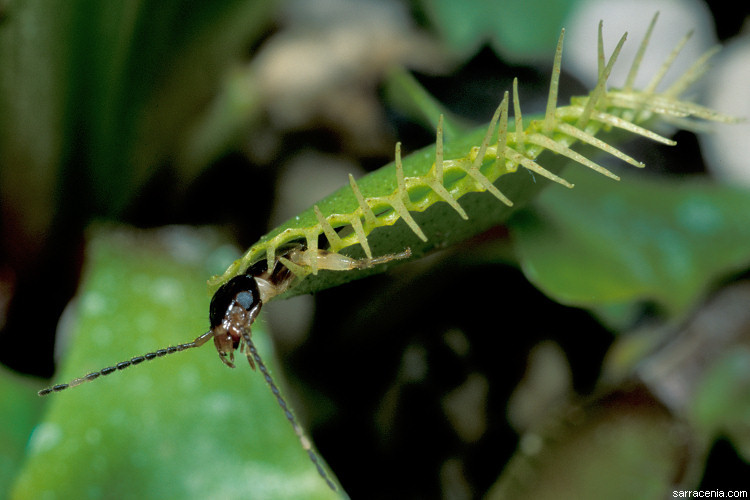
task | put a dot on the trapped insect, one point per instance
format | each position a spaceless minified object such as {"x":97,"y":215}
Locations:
{"x":232,"y":312}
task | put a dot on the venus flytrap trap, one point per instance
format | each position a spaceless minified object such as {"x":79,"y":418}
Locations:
{"x":390,"y":208}
{"x":431,"y":199}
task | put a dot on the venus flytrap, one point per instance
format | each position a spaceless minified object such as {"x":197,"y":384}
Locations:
{"x":390,"y":208}
{"x":430,"y":199}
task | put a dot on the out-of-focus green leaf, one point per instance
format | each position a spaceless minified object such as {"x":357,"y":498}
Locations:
{"x":604,"y":243}
{"x":183,"y":426}
{"x":236,"y":108}
{"x":623,"y":445}
{"x":20,"y":408}
{"x":33,"y":51}
{"x":410,"y":97}
{"x":722,"y":404}
{"x":505,"y":24}
{"x":96,"y":95}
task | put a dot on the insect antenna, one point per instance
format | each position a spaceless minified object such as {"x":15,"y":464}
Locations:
{"x":304,"y":441}
{"x":131,"y":362}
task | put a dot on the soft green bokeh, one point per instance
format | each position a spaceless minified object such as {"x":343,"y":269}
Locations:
{"x":623,"y":445}
{"x":518,"y":30}
{"x":20,"y":408}
{"x":609,"y":244}
{"x":722,"y":402}
{"x":96,"y":96}
{"x":184,"y":426}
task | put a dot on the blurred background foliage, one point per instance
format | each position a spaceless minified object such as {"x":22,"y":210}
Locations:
{"x":623,"y":368}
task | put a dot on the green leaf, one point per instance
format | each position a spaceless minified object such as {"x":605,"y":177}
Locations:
{"x":464,"y":26}
{"x":722,"y":403}
{"x":621,"y":445}
{"x":607,"y":244}
{"x":405,"y":93}
{"x":96,"y":95}
{"x":183,"y":426}
{"x":20,"y":408}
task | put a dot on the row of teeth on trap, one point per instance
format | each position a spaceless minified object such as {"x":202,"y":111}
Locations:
{"x":560,"y":128}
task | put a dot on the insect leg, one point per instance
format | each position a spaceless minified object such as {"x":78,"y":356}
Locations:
{"x":337,"y":262}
